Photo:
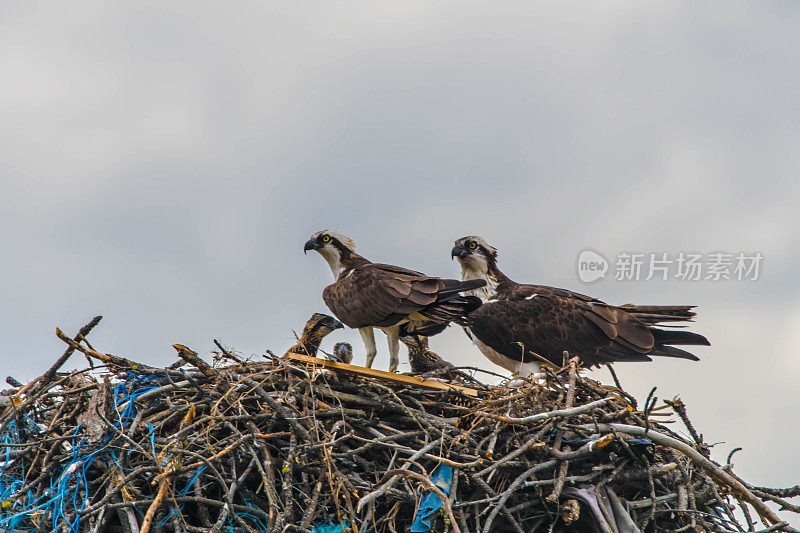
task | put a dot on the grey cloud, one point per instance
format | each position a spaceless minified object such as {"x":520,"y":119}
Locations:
{"x":163,"y":165}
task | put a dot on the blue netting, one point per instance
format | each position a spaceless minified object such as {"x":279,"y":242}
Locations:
{"x":67,"y":490}
{"x":331,"y":527}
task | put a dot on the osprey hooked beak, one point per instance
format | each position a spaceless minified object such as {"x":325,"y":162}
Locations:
{"x":458,"y":251}
{"x":311,"y":244}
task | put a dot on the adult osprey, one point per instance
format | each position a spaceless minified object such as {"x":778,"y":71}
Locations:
{"x":517,"y":319}
{"x":370,"y":295}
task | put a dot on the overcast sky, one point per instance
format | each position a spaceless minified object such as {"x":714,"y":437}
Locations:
{"x":163,"y":164}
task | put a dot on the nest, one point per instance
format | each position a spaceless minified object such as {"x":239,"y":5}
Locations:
{"x":284,"y":446}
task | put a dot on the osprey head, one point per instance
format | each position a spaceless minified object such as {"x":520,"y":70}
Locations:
{"x":319,"y":325}
{"x":343,"y":351}
{"x":474,"y":253}
{"x":412,"y":340}
{"x":478,"y":260}
{"x":330,"y":244}
{"x":415,"y":342}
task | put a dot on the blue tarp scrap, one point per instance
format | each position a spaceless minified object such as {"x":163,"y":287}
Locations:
{"x":442,"y":477}
{"x":331,"y":527}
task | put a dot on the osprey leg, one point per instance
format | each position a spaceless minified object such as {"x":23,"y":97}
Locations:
{"x":393,"y":336}
{"x":368,"y":336}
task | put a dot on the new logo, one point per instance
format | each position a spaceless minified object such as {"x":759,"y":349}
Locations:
{"x":591,"y":266}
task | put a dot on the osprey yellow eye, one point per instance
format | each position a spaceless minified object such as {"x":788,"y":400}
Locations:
{"x":472,"y":245}
{"x":325,"y":238}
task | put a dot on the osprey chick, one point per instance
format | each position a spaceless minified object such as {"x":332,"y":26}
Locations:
{"x":342,"y":353}
{"x":424,"y":361}
{"x":317,"y":327}
{"x":421,"y":358}
{"x":518,"y":319}
{"x":370,"y":295}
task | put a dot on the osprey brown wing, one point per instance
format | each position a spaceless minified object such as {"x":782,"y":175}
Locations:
{"x":548,"y":322}
{"x":519,"y":319}
{"x":380,"y":295}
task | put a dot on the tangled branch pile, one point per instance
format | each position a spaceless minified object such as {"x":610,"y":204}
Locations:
{"x":279,"y":446}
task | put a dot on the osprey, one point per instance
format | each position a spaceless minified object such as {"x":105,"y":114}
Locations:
{"x":519,"y":320}
{"x":423,"y":361}
{"x":421,"y":358}
{"x":317,"y":327}
{"x":370,"y":295}
{"x":342,"y":353}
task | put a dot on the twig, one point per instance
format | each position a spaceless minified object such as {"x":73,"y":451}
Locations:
{"x":559,"y":413}
{"x":163,"y":487}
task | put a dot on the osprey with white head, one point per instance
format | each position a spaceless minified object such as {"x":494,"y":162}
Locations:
{"x":520,"y":324}
{"x":368,"y":295}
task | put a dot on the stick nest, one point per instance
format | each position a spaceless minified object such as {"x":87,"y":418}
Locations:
{"x":278,"y":446}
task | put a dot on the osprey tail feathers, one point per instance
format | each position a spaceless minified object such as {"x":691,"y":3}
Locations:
{"x":686,"y":338}
{"x":454,"y":309}
{"x":654,"y":314}
{"x":424,"y":328}
{"x":450,"y":305}
{"x":670,"y":351}
{"x":665,"y":338}
{"x":452,"y":287}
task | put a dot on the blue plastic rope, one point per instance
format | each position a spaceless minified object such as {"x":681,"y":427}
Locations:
{"x":65,"y":488}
